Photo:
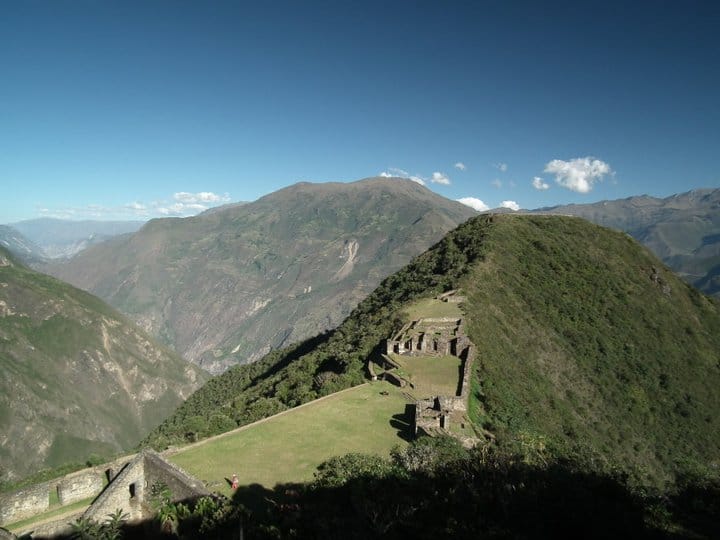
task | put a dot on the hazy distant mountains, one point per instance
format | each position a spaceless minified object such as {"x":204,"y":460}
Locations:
{"x":60,"y":238}
{"x":75,"y":376}
{"x":228,"y":286}
{"x":23,"y":248}
{"x":683,"y":230}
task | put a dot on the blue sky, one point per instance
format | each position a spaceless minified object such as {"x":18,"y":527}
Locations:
{"x":124,"y":109}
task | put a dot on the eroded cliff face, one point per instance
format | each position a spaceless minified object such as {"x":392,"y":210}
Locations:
{"x":77,"y":378}
{"x":227,"y":287}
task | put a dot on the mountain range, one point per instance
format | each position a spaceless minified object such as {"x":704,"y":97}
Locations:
{"x":228,"y":286}
{"x":76,"y":377}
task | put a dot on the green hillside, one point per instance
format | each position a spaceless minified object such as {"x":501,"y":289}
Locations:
{"x":588,"y":347}
{"x":76,"y":378}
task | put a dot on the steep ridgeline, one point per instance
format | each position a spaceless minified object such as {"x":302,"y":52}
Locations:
{"x":587,"y":348}
{"x":227,"y":286}
{"x":75,"y":377}
{"x":683,"y":230}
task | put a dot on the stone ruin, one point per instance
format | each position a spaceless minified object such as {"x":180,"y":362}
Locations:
{"x":427,"y":337}
{"x":131,"y":489}
{"x":433,"y":337}
{"x":433,"y":415}
{"x":130,"y":480}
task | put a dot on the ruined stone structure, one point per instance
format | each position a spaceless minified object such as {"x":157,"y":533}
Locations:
{"x":426,"y":337}
{"x":76,"y":486}
{"x":129,"y":482}
{"x":131,"y":489}
{"x":434,"y":337}
{"x":451,"y":297}
{"x":435,"y":413}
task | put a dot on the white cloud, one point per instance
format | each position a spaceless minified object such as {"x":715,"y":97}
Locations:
{"x":512,"y":205}
{"x":502,"y":167}
{"x":540,"y":184}
{"x":440,"y":178}
{"x":394,"y":172}
{"x":189,"y":204}
{"x":578,"y":174}
{"x":472,"y":202}
{"x":201,"y":197}
{"x":460,"y":166}
{"x":497,"y":183}
{"x":182,"y":204}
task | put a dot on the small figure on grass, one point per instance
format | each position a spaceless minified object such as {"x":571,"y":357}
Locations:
{"x":234,"y":482}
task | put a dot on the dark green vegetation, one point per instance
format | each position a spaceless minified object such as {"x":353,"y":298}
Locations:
{"x":683,"y":230}
{"x":436,"y":489}
{"x":76,"y":378}
{"x":588,"y":349}
{"x":228,"y":286}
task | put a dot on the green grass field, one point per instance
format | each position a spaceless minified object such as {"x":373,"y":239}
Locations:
{"x":289,"y":447}
{"x":56,"y":511}
{"x":430,"y":375}
{"x":430,"y":307}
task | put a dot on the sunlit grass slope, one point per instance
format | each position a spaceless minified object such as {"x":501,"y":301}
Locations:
{"x":288,"y":448}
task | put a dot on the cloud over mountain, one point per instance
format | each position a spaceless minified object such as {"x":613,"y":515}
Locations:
{"x":440,"y":178}
{"x":578,"y":174}
{"x":394,"y":171}
{"x":474,"y":203}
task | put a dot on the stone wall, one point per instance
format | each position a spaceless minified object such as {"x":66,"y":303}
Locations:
{"x":182,"y":486}
{"x":80,"y":485}
{"x":126,"y":493}
{"x":76,"y":486}
{"x":24,"y":503}
{"x":131,"y":489}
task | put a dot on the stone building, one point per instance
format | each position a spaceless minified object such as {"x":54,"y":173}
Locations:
{"x":130,"y":490}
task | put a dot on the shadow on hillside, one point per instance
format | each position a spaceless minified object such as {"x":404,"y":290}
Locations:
{"x":403,"y":423}
{"x":463,"y":499}
{"x":297,"y":351}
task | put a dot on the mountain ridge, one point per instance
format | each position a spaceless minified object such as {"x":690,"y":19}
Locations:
{"x":229,"y":286}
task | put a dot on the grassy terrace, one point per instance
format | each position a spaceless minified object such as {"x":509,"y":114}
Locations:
{"x":430,"y":375}
{"x":289,"y":447}
{"x":50,"y":515}
{"x":430,"y":307}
